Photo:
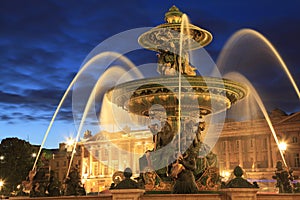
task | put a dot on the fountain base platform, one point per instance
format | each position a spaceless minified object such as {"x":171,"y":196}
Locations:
{"x":226,"y":194}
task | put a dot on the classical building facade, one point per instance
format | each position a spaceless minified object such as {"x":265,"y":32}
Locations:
{"x":249,"y":144}
{"x":106,"y":153}
{"x":61,"y":158}
{"x":252,"y":146}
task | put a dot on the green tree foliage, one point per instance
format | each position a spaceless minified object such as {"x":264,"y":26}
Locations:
{"x":16,"y":162}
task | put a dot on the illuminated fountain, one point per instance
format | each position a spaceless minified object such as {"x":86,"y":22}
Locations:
{"x":179,"y":103}
{"x":176,"y":102}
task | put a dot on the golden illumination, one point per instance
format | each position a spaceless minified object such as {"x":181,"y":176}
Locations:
{"x":282,"y":146}
{"x":1,"y":183}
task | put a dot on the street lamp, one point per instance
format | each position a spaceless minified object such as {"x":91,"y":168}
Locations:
{"x":282,"y":146}
{"x":1,"y":184}
{"x":2,"y":159}
{"x":70,"y":144}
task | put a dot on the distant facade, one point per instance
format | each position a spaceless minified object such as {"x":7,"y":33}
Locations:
{"x":249,"y":144}
{"x":61,"y":158}
{"x":106,"y":153}
{"x":252,"y":146}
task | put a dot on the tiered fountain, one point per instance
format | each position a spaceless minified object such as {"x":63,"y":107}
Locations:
{"x":177,"y":102}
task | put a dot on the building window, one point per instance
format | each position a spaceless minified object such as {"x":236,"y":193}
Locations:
{"x":297,"y":159}
{"x":224,"y":145}
{"x":105,"y":170}
{"x":251,"y":143}
{"x":96,"y":153}
{"x":106,"y":152}
{"x":264,"y":143}
{"x":95,"y":169}
{"x":294,"y":139}
{"x":237,"y":145}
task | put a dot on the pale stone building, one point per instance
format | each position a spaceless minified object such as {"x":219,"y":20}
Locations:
{"x":252,"y":146}
{"x":249,"y":144}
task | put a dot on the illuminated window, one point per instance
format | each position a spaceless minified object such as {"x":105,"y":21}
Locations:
{"x":237,"y":145}
{"x":294,"y":140}
{"x":224,"y":145}
{"x":106,"y":170}
{"x":297,"y":159}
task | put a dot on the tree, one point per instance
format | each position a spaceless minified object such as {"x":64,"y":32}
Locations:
{"x":16,"y":161}
{"x":73,"y":182}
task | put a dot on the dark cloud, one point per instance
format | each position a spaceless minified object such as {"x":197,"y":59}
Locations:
{"x":5,"y":118}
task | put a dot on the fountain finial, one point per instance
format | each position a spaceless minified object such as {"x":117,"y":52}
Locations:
{"x":173,"y":16}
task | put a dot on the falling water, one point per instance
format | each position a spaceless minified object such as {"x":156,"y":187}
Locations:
{"x":105,"y":82}
{"x":240,"y":78}
{"x":114,"y":56}
{"x":231,"y":58}
{"x":184,"y":32}
{"x":236,"y":40}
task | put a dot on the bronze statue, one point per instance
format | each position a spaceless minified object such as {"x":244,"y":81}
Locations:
{"x":127,"y":182}
{"x":238,"y":181}
{"x":283,"y":178}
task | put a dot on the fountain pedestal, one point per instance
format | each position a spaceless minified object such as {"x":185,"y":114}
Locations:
{"x":240,"y":193}
{"x":130,"y":194}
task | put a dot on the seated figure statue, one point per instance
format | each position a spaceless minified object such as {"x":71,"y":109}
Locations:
{"x":127,"y":183}
{"x":238,"y":181}
{"x":283,"y":178}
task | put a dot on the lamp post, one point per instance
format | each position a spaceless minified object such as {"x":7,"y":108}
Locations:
{"x":1,"y":185}
{"x":69,"y":147}
{"x":283,"y":147}
{"x":2,"y":159}
{"x":33,"y":155}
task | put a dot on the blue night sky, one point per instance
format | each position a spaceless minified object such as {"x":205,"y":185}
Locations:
{"x":44,"y":42}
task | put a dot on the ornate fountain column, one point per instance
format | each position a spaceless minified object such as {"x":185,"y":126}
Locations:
{"x":184,"y":97}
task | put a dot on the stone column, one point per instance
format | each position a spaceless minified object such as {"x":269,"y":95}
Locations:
{"x":254,"y":153}
{"x":91,"y":160}
{"x":133,"y":152}
{"x":109,"y":159}
{"x":240,"y":149}
{"x":100,"y":161}
{"x":120,"y":161}
{"x":82,"y":159}
{"x":131,"y":146}
{"x":269,"y":152}
{"x":274,"y":152}
{"x":227,"y":155}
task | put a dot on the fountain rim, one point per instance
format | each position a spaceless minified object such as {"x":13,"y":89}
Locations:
{"x":226,"y":90}
{"x":205,"y":38}
{"x":149,"y":80}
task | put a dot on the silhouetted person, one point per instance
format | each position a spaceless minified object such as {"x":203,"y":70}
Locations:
{"x":127,"y":183}
{"x":238,"y":181}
